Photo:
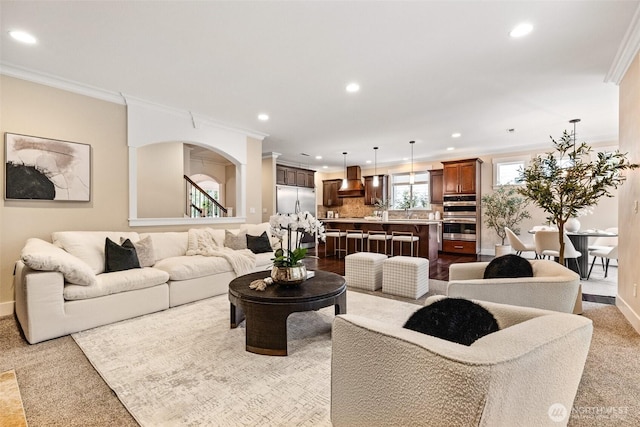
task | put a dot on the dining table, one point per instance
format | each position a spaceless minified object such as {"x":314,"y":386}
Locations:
{"x":580,"y":240}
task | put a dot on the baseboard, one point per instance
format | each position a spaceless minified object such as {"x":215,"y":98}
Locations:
{"x":628,"y":312}
{"x":6,"y":308}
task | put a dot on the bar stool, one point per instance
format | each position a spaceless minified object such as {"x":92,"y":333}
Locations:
{"x":356,"y":235}
{"x":378,"y":236}
{"x":405,"y":237}
{"x":337,"y":235}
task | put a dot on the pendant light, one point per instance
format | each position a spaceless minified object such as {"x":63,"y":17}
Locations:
{"x":412,"y":176}
{"x":375,"y":167}
{"x":574,"y":121}
{"x":344,"y":180}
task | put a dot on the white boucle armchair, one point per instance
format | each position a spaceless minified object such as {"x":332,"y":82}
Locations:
{"x":385,"y":375}
{"x":552,"y":287}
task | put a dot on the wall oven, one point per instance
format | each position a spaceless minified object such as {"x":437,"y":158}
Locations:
{"x":459,"y":229}
{"x":460,"y":217}
{"x":459,"y":206}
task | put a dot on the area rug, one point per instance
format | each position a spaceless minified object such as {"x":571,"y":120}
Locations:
{"x":185,"y":366}
{"x":11,"y":408}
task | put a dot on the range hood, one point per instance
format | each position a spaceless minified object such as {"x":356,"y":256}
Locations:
{"x":354,"y":187}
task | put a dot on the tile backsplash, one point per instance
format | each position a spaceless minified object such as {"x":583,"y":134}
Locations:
{"x":354,"y":207}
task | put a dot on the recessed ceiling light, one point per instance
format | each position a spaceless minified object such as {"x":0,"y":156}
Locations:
{"x":368,"y":162}
{"x":263,"y":117}
{"x":353,"y":87}
{"x":450,"y":148}
{"x":23,"y":37}
{"x":404,"y":159}
{"x":456,"y":135}
{"x":318,"y":157}
{"x":325,"y":167}
{"x":521,"y":30}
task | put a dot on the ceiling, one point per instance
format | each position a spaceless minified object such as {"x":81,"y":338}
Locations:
{"x":426,"y":69}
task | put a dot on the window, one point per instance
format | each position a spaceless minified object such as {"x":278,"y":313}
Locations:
{"x":506,"y":171}
{"x":405,"y":195}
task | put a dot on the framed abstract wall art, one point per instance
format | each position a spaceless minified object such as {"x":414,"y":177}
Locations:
{"x":46,"y":169}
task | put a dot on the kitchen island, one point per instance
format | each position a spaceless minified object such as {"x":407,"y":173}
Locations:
{"x":426,"y":229}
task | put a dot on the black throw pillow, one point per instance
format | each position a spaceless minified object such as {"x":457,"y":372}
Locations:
{"x":118,"y":258}
{"x":508,"y":266}
{"x":453,"y":319}
{"x":259,"y":244}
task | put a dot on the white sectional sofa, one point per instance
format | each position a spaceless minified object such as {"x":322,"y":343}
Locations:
{"x":67,"y":289}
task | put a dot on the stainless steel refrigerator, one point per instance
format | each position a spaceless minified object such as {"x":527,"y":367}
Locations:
{"x":291,"y":199}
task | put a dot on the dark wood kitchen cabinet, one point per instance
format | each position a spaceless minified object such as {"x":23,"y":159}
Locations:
{"x":436,"y":186}
{"x":288,"y":175}
{"x":330,"y":192}
{"x":372,"y":193}
{"x":461,"y":176}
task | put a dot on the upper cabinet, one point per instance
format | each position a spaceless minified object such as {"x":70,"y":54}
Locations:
{"x":436,"y":186}
{"x":330,"y":192}
{"x":461,"y":176}
{"x":288,"y":175}
{"x":372,"y":193}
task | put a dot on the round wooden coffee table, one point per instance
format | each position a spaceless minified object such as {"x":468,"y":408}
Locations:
{"x":266,"y":311}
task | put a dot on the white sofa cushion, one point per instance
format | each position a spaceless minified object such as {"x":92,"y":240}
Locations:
{"x":191,"y":267}
{"x":264,"y":260}
{"x":116,"y":282}
{"x":168,"y":244}
{"x":89,"y":245}
{"x":41,"y":255}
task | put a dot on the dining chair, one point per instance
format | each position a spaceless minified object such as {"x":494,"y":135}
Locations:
{"x":606,"y":254}
{"x":518,"y":245}
{"x":545,"y":240}
{"x":605,"y":242}
{"x":547,"y":245}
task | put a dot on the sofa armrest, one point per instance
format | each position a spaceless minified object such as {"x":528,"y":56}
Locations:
{"x":39,"y":301}
{"x":467,"y":270}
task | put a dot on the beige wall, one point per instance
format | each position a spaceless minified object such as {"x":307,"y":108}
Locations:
{"x":268,"y":187}
{"x":33,"y":109}
{"x":629,"y":268}
{"x":254,"y":178}
{"x":37,"y":110}
{"x":160,"y":181}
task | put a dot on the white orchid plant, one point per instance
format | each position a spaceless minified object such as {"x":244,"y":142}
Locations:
{"x":283,"y":225}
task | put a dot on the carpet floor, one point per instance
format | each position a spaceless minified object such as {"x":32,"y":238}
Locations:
{"x":60,"y":387}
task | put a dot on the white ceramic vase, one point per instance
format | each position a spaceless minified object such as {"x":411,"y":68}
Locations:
{"x":572,"y":225}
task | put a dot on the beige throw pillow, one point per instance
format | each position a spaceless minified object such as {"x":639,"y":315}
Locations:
{"x":235,"y":241}
{"x":144,"y":250}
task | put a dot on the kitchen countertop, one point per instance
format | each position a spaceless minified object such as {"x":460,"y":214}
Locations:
{"x":416,"y":221}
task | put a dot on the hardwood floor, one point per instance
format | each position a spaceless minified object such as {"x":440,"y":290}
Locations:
{"x":438,"y":270}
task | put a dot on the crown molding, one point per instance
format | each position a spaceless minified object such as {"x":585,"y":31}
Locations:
{"x":115,"y":97}
{"x":629,"y":48}
{"x":60,"y":83}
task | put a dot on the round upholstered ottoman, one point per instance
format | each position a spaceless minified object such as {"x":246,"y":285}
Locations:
{"x":405,"y":276}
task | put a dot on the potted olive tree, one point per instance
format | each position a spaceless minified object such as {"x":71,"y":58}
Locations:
{"x":504,"y":208}
{"x":563,"y":188}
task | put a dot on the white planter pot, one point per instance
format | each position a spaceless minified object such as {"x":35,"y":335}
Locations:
{"x":503,"y":250}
